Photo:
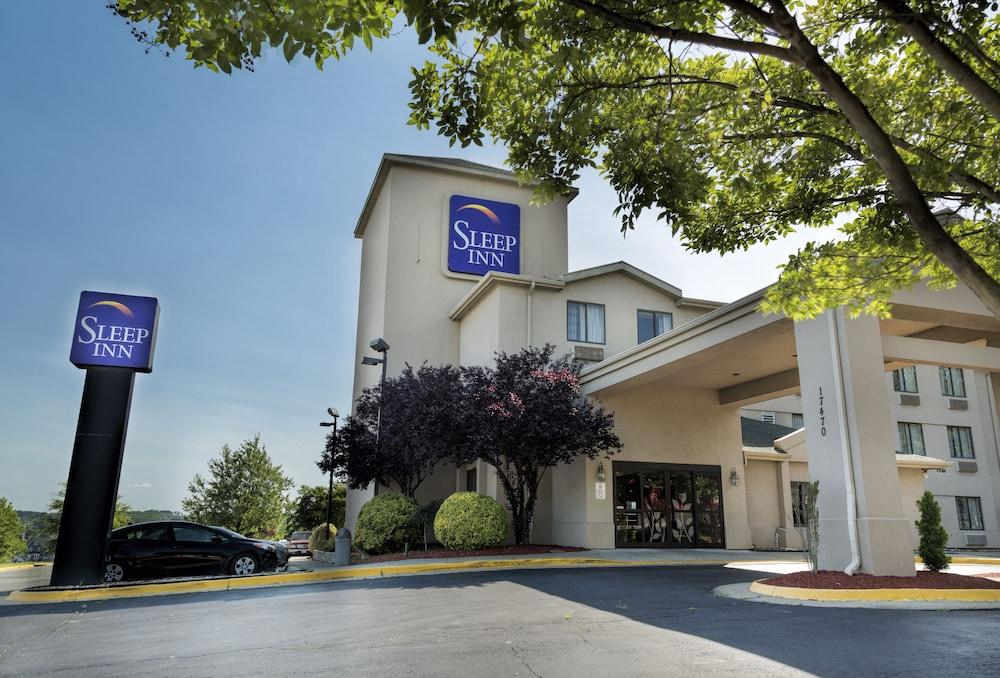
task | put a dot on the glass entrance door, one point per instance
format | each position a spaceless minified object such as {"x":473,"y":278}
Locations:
{"x":668,"y":505}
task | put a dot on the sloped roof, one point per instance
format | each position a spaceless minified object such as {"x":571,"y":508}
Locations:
{"x":758,"y":433}
{"x":456,"y":165}
{"x":642,"y":276}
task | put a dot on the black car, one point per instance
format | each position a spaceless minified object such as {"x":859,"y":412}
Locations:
{"x":177,"y":548}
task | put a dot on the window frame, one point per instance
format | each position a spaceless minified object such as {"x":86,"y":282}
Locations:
{"x":951,"y":371}
{"x":969,"y":524}
{"x":908,"y":447}
{"x":951,"y":447}
{"x":638,"y":336}
{"x":899,"y":380}
{"x":586,"y":330}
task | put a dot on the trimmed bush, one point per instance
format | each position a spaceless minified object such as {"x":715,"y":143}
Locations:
{"x":317,"y":540}
{"x":387,"y":522}
{"x":469,"y":520}
{"x":933,"y":536}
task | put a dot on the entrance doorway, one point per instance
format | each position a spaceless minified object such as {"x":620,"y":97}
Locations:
{"x":668,"y":505}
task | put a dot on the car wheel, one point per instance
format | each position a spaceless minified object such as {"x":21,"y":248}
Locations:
{"x":114,"y":572}
{"x":244,"y":564}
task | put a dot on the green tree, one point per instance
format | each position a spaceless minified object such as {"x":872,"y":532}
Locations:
{"x":308,"y":509}
{"x":933,"y":536}
{"x":734,"y":121}
{"x":122,"y":517}
{"x":11,"y":532}
{"x":244,"y":491}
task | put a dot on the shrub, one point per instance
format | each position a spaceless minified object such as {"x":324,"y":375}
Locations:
{"x":933,"y":537}
{"x":317,"y":540}
{"x":469,"y":520}
{"x":387,"y":522}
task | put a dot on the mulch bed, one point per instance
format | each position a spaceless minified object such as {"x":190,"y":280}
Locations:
{"x":832,"y":579}
{"x":526,"y":549}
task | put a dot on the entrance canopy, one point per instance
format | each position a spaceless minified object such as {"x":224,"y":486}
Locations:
{"x":749,"y":356}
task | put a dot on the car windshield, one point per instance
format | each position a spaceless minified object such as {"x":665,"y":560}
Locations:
{"x":300,"y":535}
{"x":228,"y":532}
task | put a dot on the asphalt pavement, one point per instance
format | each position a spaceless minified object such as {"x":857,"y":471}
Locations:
{"x":644,"y":621}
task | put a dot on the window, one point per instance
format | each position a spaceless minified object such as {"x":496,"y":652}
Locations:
{"x":799,"y":503}
{"x":904,"y":380}
{"x":150,"y":533}
{"x":970,"y":513}
{"x":797,"y":420}
{"x":189,"y":533}
{"x":911,"y":438}
{"x":952,"y":382}
{"x":653,"y":324}
{"x":585,"y":322}
{"x":470,"y":480}
{"x":767,"y":417}
{"x":960,"y":442}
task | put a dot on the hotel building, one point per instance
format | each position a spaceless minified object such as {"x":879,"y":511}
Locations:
{"x":457,"y":264}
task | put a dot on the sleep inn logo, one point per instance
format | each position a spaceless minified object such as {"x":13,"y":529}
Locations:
{"x":115,"y":330}
{"x":483,"y":236}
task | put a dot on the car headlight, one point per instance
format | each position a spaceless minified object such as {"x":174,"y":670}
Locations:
{"x":267,"y":547}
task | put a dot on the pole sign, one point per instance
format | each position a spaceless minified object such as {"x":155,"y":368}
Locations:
{"x":483,"y":236}
{"x":115,"y":330}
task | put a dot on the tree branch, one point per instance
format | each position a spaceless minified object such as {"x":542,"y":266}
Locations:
{"x":666,"y":33}
{"x":943,"y":55}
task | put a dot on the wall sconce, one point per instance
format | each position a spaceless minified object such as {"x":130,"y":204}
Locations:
{"x":734,"y":478}
{"x":601,"y":475}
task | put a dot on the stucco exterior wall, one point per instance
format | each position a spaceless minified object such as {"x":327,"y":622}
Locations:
{"x":763,"y":502}
{"x":658,"y":423}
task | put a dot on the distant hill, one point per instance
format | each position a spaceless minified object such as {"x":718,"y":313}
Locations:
{"x":155,"y":514}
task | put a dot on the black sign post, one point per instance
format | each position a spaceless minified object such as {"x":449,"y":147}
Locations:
{"x":113,"y":338}
{"x":92,"y":487}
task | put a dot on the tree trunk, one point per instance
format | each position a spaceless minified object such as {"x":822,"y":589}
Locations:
{"x":908,"y":195}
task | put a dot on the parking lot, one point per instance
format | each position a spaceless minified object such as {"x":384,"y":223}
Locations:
{"x":581,"y":622}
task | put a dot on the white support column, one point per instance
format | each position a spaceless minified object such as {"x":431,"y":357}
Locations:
{"x":851,"y":447}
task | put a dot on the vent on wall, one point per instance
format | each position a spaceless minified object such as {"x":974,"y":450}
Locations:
{"x":954,"y":404}
{"x":967,"y":467}
{"x":909,"y":399}
{"x":767,"y":417}
{"x":975,"y":540}
{"x":589,"y":353}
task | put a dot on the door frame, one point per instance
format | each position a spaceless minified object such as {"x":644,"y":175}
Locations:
{"x":666,"y":468}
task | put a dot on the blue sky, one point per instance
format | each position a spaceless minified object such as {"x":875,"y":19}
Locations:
{"x":232,"y":200}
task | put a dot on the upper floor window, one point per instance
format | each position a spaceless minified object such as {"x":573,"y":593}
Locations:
{"x":585,"y":322}
{"x":911,"y":438}
{"x":797,"y":420}
{"x":970,"y":513}
{"x":960,"y":442}
{"x":653,"y":324}
{"x":767,"y":417}
{"x":952,"y":382}
{"x":904,"y":379}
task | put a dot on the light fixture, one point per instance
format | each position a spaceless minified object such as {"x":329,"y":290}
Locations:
{"x":368,"y":360}
{"x":601,"y":475}
{"x":332,"y":411}
{"x":734,"y":478}
{"x":379,"y":345}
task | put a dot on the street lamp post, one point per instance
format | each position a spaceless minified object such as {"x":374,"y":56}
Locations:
{"x":329,"y":492}
{"x":379,"y":345}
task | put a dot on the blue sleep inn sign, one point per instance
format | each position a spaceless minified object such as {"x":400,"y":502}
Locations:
{"x":115,"y":330}
{"x":483,"y":236}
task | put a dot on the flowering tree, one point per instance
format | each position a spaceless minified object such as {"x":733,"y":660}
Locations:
{"x":419,"y":422}
{"x":526,"y":415}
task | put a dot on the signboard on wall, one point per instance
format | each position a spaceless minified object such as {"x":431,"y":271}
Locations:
{"x":115,"y":330}
{"x":483,"y":236}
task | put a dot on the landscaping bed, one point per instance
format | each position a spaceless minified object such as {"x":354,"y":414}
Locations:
{"x":527,"y":549}
{"x":833,"y":579}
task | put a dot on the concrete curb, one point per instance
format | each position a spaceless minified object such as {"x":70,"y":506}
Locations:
{"x":882,"y":595}
{"x":743,"y":593}
{"x":356,"y":572}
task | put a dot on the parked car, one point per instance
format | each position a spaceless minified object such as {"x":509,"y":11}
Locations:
{"x":298,"y":544}
{"x":177,"y":548}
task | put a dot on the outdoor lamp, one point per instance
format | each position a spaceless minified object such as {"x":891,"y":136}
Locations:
{"x":601,"y":475}
{"x":368,"y":360}
{"x":379,"y":345}
{"x":734,"y":478}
